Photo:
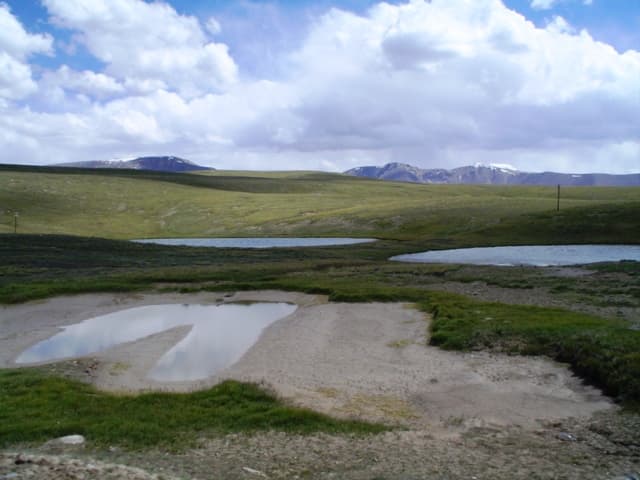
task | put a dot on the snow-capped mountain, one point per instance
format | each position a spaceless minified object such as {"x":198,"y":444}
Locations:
{"x":495,"y":174}
{"x":158,"y":164}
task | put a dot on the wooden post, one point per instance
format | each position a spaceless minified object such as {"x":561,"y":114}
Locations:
{"x":558,"y":205}
{"x":15,"y":222}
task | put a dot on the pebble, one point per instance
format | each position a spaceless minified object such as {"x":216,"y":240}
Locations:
{"x":567,"y":437}
{"x":71,"y":440}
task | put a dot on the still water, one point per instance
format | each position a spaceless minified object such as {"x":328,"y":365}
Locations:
{"x":541,"y":256}
{"x":219,"y":336}
{"x":255,"y":242}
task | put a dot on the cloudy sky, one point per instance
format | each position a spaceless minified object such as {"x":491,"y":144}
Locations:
{"x":323,"y":85}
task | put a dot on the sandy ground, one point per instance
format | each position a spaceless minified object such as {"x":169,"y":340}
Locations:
{"x":473,"y":416}
{"x":367,"y":361}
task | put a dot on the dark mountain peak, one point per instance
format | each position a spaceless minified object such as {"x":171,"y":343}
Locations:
{"x":166,"y":164}
{"x":159,"y":164}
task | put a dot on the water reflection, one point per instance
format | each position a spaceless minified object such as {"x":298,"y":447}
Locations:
{"x":541,"y":256}
{"x":219,"y":336}
{"x":264,"y":242}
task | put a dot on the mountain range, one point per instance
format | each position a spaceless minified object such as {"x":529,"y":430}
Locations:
{"x":479,"y":174}
{"x":491,"y":175}
{"x":157,"y":164}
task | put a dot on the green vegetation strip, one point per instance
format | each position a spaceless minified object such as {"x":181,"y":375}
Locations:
{"x":606,"y":353}
{"x":36,"y":407}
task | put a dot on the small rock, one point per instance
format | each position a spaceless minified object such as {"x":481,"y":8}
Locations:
{"x":71,"y":440}
{"x":9,"y":475}
{"x":254,"y":472}
{"x":567,"y":437}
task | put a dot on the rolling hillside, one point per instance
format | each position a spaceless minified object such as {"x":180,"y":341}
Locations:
{"x":139,"y":204}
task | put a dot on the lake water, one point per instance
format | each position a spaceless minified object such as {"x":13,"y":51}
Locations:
{"x":255,"y":242}
{"x":541,"y":256}
{"x":219,"y":336}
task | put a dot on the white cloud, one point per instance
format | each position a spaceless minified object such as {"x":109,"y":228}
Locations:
{"x":559,"y":25}
{"x":95,"y":85}
{"x":15,"y":78}
{"x":147,"y":42}
{"x":549,"y":4}
{"x":439,"y":83}
{"x":433,"y":82}
{"x":543,"y":4}
{"x":16,"y":41}
{"x":213,"y":26}
{"x":16,"y":45}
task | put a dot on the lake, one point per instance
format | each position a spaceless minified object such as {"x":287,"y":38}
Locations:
{"x":536,"y":255}
{"x":257,"y":242}
{"x":219,"y":336}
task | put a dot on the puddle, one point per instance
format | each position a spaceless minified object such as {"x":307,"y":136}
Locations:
{"x":265,"y":242}
{"x":219,"y":336}
{"x":537,"y":255}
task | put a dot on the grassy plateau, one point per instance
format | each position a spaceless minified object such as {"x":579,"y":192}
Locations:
{"x":73,"y":224}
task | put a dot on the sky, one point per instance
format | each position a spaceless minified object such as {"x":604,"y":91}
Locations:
{"x":542,"y":85}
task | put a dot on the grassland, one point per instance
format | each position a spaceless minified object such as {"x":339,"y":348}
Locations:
{"x":43,"y":260}
{"x":131,"y":204}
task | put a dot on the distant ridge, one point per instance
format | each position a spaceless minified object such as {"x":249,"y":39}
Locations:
{"x":156,"y":164}
{"x":491,"y":175}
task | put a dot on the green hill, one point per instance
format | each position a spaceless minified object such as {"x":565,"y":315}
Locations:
{"x":135,"y":204}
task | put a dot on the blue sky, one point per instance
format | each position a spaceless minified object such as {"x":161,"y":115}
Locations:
{"x":323,"y":84}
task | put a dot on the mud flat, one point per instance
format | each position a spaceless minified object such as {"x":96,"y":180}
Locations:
{"x":472,"y":415}
{"x":368,"y":361}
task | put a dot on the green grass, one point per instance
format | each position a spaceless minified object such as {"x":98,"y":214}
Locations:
{"x":36,"y":407}
{"x":137,"y":204}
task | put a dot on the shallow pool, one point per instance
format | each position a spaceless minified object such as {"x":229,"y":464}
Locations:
{"x":537,"y":255}
{"x":256,"y":242}
{"x":219,"y":336}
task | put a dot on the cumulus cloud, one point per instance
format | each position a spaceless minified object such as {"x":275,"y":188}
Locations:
{"x":144,"y":42}
{"x":453,"y":75}
{"x":16,"y":45}
{"x":439,"y":83}
{"x":16,"y":41}
{"x":95,"y":85}
{"x":15,"y":78}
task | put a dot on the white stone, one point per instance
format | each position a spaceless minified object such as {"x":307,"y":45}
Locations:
{"x":71,"y":440}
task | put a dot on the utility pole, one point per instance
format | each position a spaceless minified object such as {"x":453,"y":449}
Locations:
{"x":558,"y":205}
{"x":15,"y":222}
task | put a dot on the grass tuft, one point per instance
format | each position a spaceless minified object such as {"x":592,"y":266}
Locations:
{"x":35,"y":407}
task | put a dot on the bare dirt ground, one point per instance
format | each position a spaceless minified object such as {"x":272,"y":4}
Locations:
{"x":472,"y":415}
